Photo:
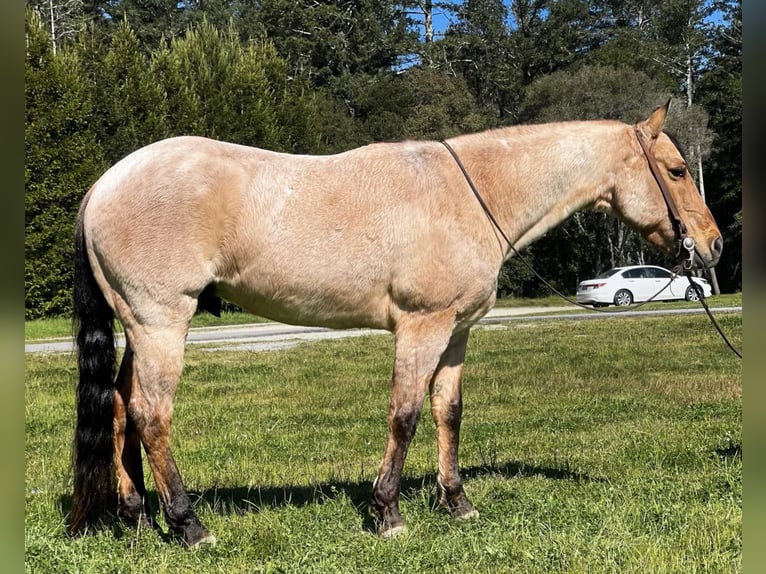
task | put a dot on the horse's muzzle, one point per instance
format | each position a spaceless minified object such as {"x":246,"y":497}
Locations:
{"x":689,"y":257}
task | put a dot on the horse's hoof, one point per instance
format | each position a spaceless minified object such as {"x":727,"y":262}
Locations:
{"x":469,"y":514}
{"x":207,"y":539}
{"x":197,"y":535}
{"x":392,"y":531}
{"x":462,"y":509}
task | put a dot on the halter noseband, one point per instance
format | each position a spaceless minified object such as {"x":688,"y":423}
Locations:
{"x":684,"y":241}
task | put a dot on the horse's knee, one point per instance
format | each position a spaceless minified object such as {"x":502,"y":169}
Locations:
{"x":403,"y":424}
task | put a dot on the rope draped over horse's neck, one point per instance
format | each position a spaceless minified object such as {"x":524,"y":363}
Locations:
{"x":499,"y":229}
{"x":479,"y":198}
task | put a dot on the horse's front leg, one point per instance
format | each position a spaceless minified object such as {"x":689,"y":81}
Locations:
{"x":447,"y":412}
{"x":420,"y":343}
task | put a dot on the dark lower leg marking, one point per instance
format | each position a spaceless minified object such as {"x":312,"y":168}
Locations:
{"x":454,"y":498}
{"x":386,"y":489}
{"x":447,"y":413}
{"x":449,"y":486}
{"x":176,"y":505}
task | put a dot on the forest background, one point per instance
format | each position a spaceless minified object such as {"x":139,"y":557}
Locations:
{"x":105,"y":77}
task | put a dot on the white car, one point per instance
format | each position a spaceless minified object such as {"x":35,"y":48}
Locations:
{"x":636,"y":283}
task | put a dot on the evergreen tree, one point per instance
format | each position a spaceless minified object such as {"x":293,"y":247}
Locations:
{"x":62,"y":160}
{"x":440,"y":106}
{"x":548,"y":35}
{"x":216,"y":88}
{"x":61,"y":18}
{"x":130,"y":104}
{"x":719,"y":91}
{"x":327,"y":39}
{"x":626,"y":35}
{"x":478,"y":47}
{"x":152,"y":20}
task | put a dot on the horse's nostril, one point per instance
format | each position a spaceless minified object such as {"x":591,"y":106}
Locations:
{"x":717,"y":246}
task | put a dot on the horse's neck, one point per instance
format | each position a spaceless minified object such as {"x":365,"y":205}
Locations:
{"x":534,"y":177}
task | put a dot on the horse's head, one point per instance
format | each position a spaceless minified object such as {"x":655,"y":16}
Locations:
{"x":660,"y":199}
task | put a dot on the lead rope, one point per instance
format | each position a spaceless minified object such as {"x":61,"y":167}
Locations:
{"x":698,"y":290}
{"x":499,"y":229}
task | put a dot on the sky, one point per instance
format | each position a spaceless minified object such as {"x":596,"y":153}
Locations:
{"x":442,"y":18}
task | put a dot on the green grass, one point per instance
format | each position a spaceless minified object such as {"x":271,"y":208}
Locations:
{"x":609,"y":445}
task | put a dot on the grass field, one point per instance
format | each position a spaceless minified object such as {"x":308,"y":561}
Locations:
{"x":610,"y":445}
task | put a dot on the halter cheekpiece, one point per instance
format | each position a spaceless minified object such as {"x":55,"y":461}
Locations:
{"x":684,"y":241}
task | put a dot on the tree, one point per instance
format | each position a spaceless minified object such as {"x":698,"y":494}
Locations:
{"x":214,"y":86}
{"x":152,"y":20}
{"x":62,"y":159}
{"x":130,"y":103}
{"x":548,"y":35}
{"x":323,"y":39}
{"x":62,"y":18}
{"x":478,"y":48}
{"x":625,"y":35}
{"x":440,"y":106}
{"x":501,"y":47}
{"x":719,"y":91}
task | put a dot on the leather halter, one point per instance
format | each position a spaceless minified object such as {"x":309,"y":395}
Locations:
{"x":684,"y":241}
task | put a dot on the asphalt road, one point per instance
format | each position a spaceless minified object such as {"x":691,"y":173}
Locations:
{"x":271,"y":336}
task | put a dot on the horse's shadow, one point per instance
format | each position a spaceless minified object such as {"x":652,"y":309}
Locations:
{"x":242,"y":500}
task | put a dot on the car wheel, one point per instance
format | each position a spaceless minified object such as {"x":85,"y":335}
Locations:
{"x":692,"y":294}
{"x":623,"y":297}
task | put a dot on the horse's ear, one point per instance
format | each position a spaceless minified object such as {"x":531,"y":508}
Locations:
{"x":654,"y":123}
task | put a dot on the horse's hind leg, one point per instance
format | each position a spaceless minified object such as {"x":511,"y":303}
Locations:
{"x":447,"y":411}
{"x":158,"y":361}
{"x":420,"y":343}
{"x":132,"y":502}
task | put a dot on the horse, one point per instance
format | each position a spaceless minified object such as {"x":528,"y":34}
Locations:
{"x":405,"y":236}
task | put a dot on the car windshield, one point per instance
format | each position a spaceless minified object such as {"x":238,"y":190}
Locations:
{"x":606,"y":274}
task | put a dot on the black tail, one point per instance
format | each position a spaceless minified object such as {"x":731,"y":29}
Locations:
{"x":94,"y":477}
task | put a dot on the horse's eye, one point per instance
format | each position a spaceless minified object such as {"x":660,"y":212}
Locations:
{"x":677,"y":172}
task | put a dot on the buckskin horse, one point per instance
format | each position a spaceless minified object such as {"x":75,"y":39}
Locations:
{"x":405,"y":236}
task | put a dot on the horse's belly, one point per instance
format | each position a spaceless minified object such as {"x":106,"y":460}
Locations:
{"x":311,"y":301}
